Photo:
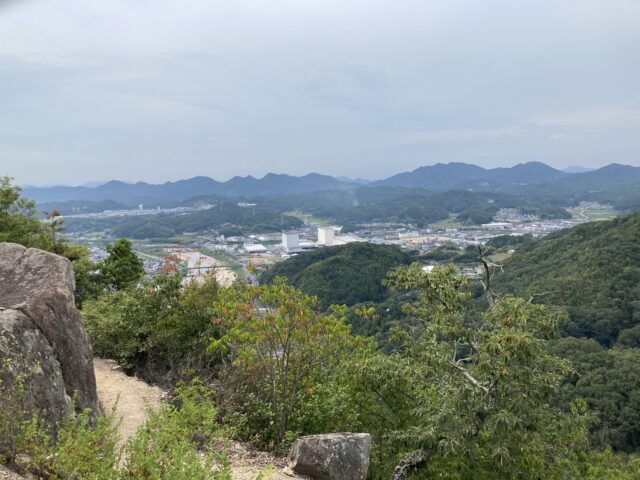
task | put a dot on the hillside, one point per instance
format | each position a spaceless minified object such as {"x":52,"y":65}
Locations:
{"x":410,"y":205}
{"x":345,"y":274}
{"x":227,"y":218}
{"x":613,"y":184}
{"x":592,"y":269}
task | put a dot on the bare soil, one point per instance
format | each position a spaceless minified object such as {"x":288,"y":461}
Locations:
{"x":133,"y":397}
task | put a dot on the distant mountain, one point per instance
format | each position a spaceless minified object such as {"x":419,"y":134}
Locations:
{"x":170,"y":193}
{"x":614,"y":175}
{"x":280,"y":184}
{"x":616,"y":184}
{"x":359,"y":181}
{"x":465,"y":176}
{"x":441,"y":176}
{"x":577,"y":169}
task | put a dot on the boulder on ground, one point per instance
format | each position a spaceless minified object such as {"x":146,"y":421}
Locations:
{"x":42,"y":335}
{"x":332,"y":456}
{"x":6,"y":474}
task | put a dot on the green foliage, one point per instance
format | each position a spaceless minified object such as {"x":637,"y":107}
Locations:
{"x":607,"y":466}
{"x":18,"y":223}
{"x":159,"y":327}
{"x":277,"y":353}
{"x":593,"y":270}
{"x":81,"y":445}
{"x":450,"y":253}
{"x":81,"y":448}
{"x":13,"y":414}
{"x":609,"y":381}
{"x":180,"y":440}
{"x":512,"y":241}
{"x":122,"y":268}
{"x":341,"y":275}
{"x":164,"y":447}
{"x":474,"y":393}
{"x":411,"y":205}
{"x":225,"y":217}
{"x":629,"y":338}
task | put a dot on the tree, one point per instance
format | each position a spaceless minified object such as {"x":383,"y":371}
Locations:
{"x":277,"y":350}
{"x":122,"y":268}
{"x":472,"y":394}
{"x":18,"y":223}
{"x":609,"y":381}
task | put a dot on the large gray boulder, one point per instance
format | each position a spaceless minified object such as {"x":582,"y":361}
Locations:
{"x":332,"y":456}
{"x":42,"y":335}
{"x":6,"y":474}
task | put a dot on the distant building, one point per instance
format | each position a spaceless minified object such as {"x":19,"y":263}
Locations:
{"x":326,"y":236}
{"x":290,"y":241}
{"x":497,"y":225}
{"x":255,"y":248}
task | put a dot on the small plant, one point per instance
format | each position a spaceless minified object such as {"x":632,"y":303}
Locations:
{"x":166,"y":446}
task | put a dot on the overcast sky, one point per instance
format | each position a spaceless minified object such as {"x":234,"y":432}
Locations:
{"x":160,"y":90}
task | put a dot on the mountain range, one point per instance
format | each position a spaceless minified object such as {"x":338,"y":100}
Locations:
{"x":454,"y":176}
{"x":173,"y":192}
{"x":528,"y":177}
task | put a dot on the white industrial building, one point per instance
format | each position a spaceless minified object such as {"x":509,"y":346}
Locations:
{"x":254,"y":248}
{"x":290,"y":241}
{"x":326,"y":236}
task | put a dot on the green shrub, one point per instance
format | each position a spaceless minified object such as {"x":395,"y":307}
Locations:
{"x":82,"y":448}
{"x":160,"y":328}
{"x":165,"y":446}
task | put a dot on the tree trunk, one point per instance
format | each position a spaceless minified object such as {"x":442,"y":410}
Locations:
{"x":412,"y":462}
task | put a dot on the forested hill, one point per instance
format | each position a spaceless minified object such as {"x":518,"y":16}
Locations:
{"x":344,"y":274}
{"x":592,"y":269}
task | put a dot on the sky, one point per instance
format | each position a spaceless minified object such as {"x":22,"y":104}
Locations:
{"x":159,"y":90}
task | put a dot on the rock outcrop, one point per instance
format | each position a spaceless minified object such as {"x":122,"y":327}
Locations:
{"x":332,"y":456}
{"x":6,"y":474}
{"x":42,"y":335}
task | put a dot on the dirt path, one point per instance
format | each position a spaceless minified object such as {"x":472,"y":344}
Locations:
{"x":133,"y":396}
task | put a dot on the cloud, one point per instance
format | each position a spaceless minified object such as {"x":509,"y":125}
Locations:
{"x":609,"y":118}
{"x":157,"y":89}
{"x":456,"y":135}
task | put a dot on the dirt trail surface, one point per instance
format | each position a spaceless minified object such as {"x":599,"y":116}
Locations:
{"x":134,"y":396}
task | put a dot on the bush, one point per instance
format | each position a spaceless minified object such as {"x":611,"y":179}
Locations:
{"x":81,"y":449}
{"x":166,"y":447}
{"x":160,"y":328}
{"x":280,"y":356}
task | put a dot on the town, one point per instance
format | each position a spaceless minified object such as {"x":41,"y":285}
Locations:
{"x":242,"y":256}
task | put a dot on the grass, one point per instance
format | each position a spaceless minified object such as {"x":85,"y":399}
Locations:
{"x":450,"y":222}
{"x":307,"y":219}
{"x":593,"y":213}
{"x":499,"y":257}
{"x":150,"y":250}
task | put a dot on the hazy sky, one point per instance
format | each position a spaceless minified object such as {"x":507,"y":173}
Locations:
{"x":159,"y":90}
